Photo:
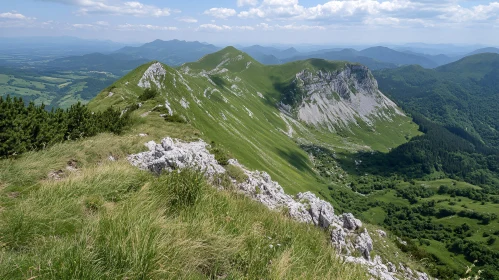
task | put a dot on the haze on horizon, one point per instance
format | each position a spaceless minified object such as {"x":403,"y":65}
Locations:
{"x":258,"y":21}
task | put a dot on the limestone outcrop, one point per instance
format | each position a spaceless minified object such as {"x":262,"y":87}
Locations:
{"x":347,"y":234}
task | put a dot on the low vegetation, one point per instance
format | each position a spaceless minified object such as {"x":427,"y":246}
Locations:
{"x":26,"y":128}
{"x":446,"y":224}
{"x":109,"y":220}
{"x":148,"y":94}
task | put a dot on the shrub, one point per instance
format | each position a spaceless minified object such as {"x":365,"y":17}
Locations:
{"x":223,"y":181}
{"x":175,"y":118}
{"x":93,"y":203}
{"x":161,"y":110}
{"x":221,"y":155}
{"x":236,"y":173}
{"x":148,"y":94}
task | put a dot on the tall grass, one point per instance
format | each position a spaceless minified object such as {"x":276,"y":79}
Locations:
{"x":109,"y":220}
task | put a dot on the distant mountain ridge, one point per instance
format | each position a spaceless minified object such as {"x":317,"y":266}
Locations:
{"x":115,"y":63}
{"x":174,"y":52}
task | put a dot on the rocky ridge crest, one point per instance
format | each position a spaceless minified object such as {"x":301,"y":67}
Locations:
{"x":333,"y":99}
{"x":347,"y":234}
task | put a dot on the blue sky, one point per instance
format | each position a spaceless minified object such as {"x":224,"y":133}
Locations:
{"x":257,"y":21}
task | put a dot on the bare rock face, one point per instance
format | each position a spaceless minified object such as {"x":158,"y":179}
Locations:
{"x":339,"y":241}
{"x":155,"y":74}
{"x":346,"y":235}
{"x":321,"y":212}
{"x":173,"y":154}
{"x":364,"y":244}
{"x":340,"y":98}
{"x":350,"y":222}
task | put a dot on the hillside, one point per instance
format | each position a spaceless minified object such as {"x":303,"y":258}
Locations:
{"x":378,"y":57}
{"x":79,"y":209}
{"x":345,"y":55}
{"x":398,"y":58}
{"x":461,"y":95}
{"x":312,"y":125}
{"x":172,"y":52}
{"x":234,"y":101}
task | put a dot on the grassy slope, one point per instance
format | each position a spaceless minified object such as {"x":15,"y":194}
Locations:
{"x":232,"y":113}
{"x":108,"y":220}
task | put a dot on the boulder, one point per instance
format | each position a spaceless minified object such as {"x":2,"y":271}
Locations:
{"x":350,"y":222}
{"x":364,"y":244}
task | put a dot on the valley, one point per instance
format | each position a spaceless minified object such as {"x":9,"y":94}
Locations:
{"x":416,"y":156}
{"x":55,"y":89}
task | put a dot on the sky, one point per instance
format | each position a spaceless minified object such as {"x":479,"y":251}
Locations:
{"x":257,"y":21}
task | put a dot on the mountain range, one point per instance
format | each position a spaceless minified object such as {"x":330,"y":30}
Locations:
{"x":324,"y":126}
{"x":411,"y":151}
{"x":172,"y":52}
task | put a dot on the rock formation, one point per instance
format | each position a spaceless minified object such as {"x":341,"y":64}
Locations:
{"x":339,"y":98}
{"x":346,"y":231}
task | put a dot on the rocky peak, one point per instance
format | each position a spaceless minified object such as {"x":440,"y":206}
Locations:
{"x":335,"y":99}
{"x":155,"y":74}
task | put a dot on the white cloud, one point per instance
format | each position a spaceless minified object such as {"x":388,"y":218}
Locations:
{"x":268,"y":27}
{"x":213,"y":27}
{"x":261,"y":26}
{"x":457,"y":13}
{"x":82,"y":25}
{"x":187,"y":19}
{"x":280,"y":2}
{"x":102,"y":23}
{"x":136,"y":27}
{"x":130,"y":8}
{"x":13,"y":16}
{"x":375,"y":12}
{"x":241,"y":3}
{"x":222,"y":13}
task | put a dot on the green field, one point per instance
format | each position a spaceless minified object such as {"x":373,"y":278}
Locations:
{"x":54,"y":89}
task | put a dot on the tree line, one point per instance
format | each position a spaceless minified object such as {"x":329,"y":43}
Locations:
{"x":30,"y":127}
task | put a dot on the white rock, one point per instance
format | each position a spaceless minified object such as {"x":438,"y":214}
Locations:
{"x":381,"y":233}
{"x":340,"y":98}
{"x":364,"y":244}
{"x":173,"y":154}
{"x":155,"y":74}
{"x":350,"y":222}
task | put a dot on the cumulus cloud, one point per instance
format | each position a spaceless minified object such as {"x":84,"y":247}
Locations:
{"x":478,"y":13}
{"x":129,"y":8}
{"x":222,"y":13}
{"x":382,"y":12}
{"x":13,"y":16}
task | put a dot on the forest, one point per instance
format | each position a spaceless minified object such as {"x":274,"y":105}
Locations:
{"x":28,"y":127}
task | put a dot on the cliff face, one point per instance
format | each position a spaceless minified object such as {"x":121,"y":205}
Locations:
{"x":341,"y":98}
